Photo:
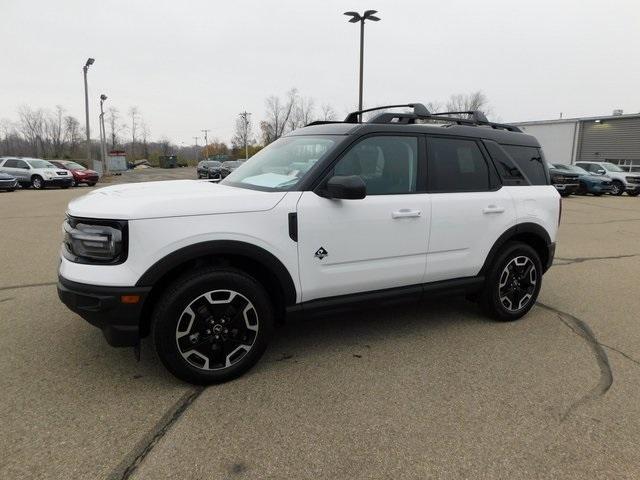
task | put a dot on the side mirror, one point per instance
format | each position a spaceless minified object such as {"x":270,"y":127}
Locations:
{"x":350,"y":187}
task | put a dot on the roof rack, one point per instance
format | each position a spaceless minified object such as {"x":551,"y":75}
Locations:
{"x":420,"y":112}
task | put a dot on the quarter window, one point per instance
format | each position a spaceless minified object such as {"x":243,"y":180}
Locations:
{"x":456,"y":165}
{"x":510,"y":173}
{"x":530,"y":161}
{"x":387,"y":164}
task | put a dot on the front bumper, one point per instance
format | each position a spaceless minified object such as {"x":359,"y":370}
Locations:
{"x":632,"y":187}
{"x":8,"y":184}
{"x":87,"y":179}
{"x":102,"y":307}
{"x":58,"y":182}
{"x":567,"y":188}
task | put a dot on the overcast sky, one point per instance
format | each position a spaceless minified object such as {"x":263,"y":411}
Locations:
{"x":197,"y":64}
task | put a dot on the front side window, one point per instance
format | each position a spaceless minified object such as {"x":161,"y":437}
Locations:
{"x":387,"y":164}
{"x":530,"y":161}
{"x":610,"y":167}
{"x":282,"y":164}
{"x":456,"y":165}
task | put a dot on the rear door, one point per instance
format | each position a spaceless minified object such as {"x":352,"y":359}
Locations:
{"x":469,"y":207}
{"x":375,"y":243}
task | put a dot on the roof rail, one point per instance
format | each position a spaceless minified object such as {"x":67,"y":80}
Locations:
{"x":418,"y":109}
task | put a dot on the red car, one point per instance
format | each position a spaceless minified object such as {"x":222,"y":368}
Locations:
{"x":80,"y":173}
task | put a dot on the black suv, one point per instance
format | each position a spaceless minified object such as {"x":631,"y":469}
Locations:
{"x":204,"y":167}
{"x":566,"y":182}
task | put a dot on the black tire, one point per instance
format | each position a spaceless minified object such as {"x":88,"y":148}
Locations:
{"x":37,"y":182}
{"x":617,"y":188}
{"x":565,"y":194}
{"x":176,"y":332}
{"x":92,"y":184}
{"x":515,"y":287}
{"x":635,"y":193}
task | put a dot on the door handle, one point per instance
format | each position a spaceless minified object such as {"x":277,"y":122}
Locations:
{"x":493,"y":209}
{"x":406,"y":213}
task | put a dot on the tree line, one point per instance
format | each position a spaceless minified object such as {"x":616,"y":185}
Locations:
{"x":56,"y":134}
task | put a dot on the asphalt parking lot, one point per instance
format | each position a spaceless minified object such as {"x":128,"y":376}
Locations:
{"x":427,"y":391}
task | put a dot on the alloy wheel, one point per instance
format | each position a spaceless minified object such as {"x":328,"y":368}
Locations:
{"x":217,"y":329}
{"x":517,"y":283}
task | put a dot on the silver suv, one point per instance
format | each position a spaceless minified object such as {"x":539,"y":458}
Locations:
{"x":622,"y":181}
{"x":36,"y":172}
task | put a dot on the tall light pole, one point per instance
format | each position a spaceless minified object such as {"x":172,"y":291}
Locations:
{"x":355,"y":18}
{"x":245,"y":118}
{"x":103,"y":137}
{"x":206,"y":144}
{"x":196,"y":139}
{"x":86,"y":108}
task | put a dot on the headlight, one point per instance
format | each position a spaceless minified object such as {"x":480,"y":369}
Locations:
{"x":95,"y":241}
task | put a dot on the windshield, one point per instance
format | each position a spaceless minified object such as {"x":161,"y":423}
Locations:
{"x":610,"y":167}
{"x":40,"y":164}
{"x":282,"y":164}
{"x":73,"y":166}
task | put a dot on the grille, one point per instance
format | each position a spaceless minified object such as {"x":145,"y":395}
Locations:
{"x":633,"y":179}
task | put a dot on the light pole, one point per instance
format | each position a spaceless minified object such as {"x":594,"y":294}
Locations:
{"x":245,"y":117}
{"x":206,"y":144}
{"x":103,"y":137}
{"x":86,"y":108}
{"x":355,"y":18}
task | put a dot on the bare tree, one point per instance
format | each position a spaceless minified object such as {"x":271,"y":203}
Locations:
{"x":54,"y":131}
{"x":134,"y":114}
{"x":145,"y":137}
{"x":115,"y":126}
{"x":327,"y":113}
{"x":303,"y":113}
{"x":31,"y":124}
{"x":243,"y":134}
{"x":72,"y":133}
{"x":468,"y":102}
{"x":277,"y":115}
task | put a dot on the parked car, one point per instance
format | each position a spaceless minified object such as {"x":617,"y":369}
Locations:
{"x":8,"y":182}
{"x":621,"y":181}
{"x":589,"y":182}
{"x":203,"y":167}
{"x":566,"y":182}
{"x":36,"y":172}
{"x":213,"y":172}
{"x":229,"y":166}
{"x":80,"y":173}
{"x":331,"y":216}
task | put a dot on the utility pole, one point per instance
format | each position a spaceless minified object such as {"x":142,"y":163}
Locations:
{"x":196,"y":139}
{"x":206,"y":144}
{"x":88,"y":63}
{"x":103,"y":137}
{"x":245,"y":118}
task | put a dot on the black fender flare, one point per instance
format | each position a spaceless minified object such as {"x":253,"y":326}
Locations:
{"x":519,"y":229}
{"x":221,"y":248}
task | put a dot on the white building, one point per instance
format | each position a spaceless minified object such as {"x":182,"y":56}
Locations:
{"x":614,"y":138}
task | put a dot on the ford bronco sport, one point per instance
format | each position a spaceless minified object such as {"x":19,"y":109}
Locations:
{"x":332,"y":215}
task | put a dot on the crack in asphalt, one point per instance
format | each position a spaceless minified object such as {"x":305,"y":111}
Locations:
{"x":132,"y":461}
{"x":569,"y":261}
{"x":28,"y":285}
{"x":582,"y":329}
{"x":6,"y":299}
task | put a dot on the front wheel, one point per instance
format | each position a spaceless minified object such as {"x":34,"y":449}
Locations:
{"x":617,"y":188}
{"x":37,"y":182}
{"x":635,"y":193}
{"x":212,"y":325}
{"x":513,"y":282}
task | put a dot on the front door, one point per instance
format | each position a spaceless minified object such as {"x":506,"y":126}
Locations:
{"x":379,"y":242}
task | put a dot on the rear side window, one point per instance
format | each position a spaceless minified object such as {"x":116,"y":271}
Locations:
{"x":509,"y":172}
{"x":11,"y":164}
{"x":530,"y":161}
{"x":456,"y":165}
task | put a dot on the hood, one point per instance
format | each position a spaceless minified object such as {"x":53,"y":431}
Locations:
{"x":170,"y":199}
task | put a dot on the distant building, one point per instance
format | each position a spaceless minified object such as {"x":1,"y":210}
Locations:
{"x":613,"y":138}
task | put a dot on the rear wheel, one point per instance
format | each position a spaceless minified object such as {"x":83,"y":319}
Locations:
{"x":37,"y":182}
{"x":617,"y":188}
{"x":212,"y":325}
{"x":513,"y":283}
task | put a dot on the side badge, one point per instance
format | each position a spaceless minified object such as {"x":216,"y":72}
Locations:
{"x":321,"y":253}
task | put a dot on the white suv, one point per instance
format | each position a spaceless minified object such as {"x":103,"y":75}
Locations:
{"x":622,"y":181}
{"x":36,"y":172}
{"x":333,"y":215}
